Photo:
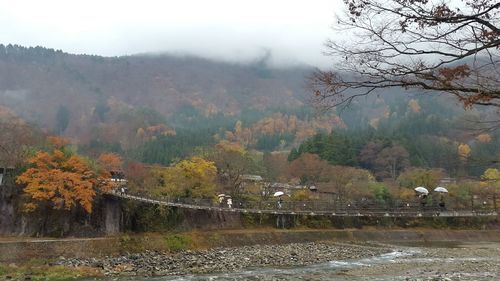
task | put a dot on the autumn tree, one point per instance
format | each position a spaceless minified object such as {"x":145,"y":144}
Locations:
{"x":191,"y":178}
{"x":464,"y":151}
{"x":386,"y":160}
{"x":412,"y":178}
{"x":464,"y":192}
{"x":16,"y":136}
{"x":491,"y":183}
{"x":276,"y":166}
{"x":137,"y":175}
{"x":438,"y":46}
{"x":347,"y":182}
{"x":484,"y":138}
{"x":369,"y":153}
{"x":232,"y":161}
{"x":62,"y":180}
{"x":391,"y":161}
{"x":308,"y":168}
{"x":110,"y":161}
{"x":301,"y":195}
{"x":414,"y":106}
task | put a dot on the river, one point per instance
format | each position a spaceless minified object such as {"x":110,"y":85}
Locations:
{"x":428,"y":261}
{"x":322,"y":271}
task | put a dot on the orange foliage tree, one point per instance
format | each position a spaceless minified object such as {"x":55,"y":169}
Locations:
{"x":110,"y":161}
{"x":63,"y":180}
{"x":484,"y":137}
{"x":308,"y":167}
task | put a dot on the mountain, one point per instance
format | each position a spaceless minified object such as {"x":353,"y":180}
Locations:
{"x":158,"y":108}
{"x":38,"y":82}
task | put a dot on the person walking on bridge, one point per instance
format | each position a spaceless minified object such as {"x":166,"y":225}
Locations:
{"x":280,"y":203}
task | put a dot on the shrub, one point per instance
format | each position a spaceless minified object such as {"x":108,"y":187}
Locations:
{"x":177,"y":243}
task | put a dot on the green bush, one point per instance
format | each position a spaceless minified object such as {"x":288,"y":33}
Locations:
{"x":177,"y":243}
{"x":152,"y":217}
{"x":316,"y":221}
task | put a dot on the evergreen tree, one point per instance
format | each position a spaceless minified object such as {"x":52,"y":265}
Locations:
{"x":62,"y":119}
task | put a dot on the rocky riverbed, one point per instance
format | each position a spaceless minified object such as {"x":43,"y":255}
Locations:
{"x":314,"y":261}
{"x":151,"y":263}
{"x":466,"y":261}
{"x":420,"y":261}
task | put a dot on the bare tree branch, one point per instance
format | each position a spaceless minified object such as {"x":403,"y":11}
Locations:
{"x":431,"y":45}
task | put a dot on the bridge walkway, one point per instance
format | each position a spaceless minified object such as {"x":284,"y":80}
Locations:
{"x":310,"y":208}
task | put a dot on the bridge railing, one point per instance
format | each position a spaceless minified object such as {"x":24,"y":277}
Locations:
{"x":310,"y":206}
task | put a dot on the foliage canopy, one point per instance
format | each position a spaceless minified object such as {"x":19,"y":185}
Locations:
{"x":63,"y":180}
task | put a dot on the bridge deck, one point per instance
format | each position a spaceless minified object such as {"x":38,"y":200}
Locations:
{"x":301,"y":210}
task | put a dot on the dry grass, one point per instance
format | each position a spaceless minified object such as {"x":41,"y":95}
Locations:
{"x":39,"y":269}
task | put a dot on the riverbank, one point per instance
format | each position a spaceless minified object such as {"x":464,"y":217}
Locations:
{"x":14,"y":249}
{"x":297,"y":261}
{"x":225,"y":251}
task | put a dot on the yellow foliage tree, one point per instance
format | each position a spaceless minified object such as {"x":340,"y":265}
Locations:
{"x":414,"y":177}
{"x":414,"y":106}
{"x":464,"y":150}
{"x":374,"y":123}
{"x":193,"y":178}
{"x":491,"y":183}
{"x":491,"y":175}
{"x":301,"y":195}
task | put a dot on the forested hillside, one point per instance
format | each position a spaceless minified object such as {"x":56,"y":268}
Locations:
{"x":422,"y":131}
{"x":191,"y":128}
{"x":159,"y":109}
{"x":135,"y":105}
{"x":97,"y":98}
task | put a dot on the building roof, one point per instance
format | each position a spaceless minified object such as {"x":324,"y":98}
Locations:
{"x":251,"y":177}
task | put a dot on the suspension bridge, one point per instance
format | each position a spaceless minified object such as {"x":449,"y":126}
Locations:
{"x":313,"y":208}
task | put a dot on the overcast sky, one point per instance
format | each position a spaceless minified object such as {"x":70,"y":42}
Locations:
{"x":233,"y":30}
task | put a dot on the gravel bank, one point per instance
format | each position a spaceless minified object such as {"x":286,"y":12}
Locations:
{"x":153,"y":263}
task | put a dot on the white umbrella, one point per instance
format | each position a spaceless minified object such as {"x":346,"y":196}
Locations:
{"x":441,"y":189}
{"x":422,"y":189}
{"x":221,"y":195}
{"x":278,"y":193}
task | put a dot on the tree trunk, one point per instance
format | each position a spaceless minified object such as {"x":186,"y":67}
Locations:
{"x":45,"y":220}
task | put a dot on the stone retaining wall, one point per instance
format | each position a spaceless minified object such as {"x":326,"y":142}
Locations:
{"x":21,"y":250}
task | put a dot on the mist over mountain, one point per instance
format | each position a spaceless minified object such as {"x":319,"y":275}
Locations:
{"x":157,"y":108}
{"x":35,"y":82}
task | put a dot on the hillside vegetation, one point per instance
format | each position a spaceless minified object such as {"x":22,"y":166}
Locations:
{"x":190,"y":128}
